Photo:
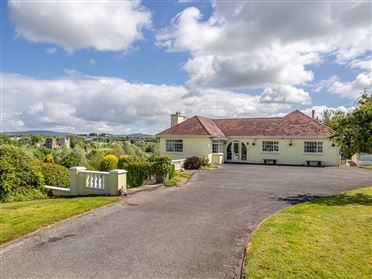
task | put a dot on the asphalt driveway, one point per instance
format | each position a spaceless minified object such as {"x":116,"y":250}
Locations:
{"x":195,"y":231}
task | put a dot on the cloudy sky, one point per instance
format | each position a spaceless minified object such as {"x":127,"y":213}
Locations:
{"x":125,"y":66}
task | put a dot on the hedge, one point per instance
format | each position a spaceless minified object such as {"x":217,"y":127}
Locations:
{"x":55,"y":175}
{"x":138,"y":172}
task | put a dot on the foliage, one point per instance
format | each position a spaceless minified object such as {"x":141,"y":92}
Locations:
{"x":55,"y":175}
{"x":109,"y":162}
{"x":48,"y":159}
{"x":41,"y":152}
{"x":325,"y":238}
{"x":22,"y":194}
{"x":138,"y":172}
{"x":134,"y":151}
{"x":76,"y":141}
{"x":172,"y":171}
{"x":162,"y":164}
{"x":71,"y":157}
{"x":192,"y":163}
{"x":172,"y":182}
{"x":17,"y":169}
{"x":20,"y":218}
{"x":204,"y":162}
{"x":95,"y":158}
{"x":183,"y":174}
{"x":353,"y":130}
{"x":124,"y":159}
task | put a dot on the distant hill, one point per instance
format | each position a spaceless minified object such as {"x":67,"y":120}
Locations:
{"x":63,"y":134}
{"x":39,"y":133}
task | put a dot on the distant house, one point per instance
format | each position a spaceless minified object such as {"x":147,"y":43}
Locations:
{"x":295,"y":139}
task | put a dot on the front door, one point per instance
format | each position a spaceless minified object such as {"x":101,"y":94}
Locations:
{"x":236,"y":152}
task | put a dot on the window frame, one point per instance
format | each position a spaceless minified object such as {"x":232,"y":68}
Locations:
{"x":317,"y":146}
{"x":274,"y":145}
{"x":173,"y":143}
{"x":219,"y":144}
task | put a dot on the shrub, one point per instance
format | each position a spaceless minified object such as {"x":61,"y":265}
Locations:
{"x":18,"y":169}
{"x":109,"y":162}
{"x":192,"y":163}
{"x":55,"y":175}
{"x":172,"y":182}
{"x":22,"y":194}
{"x":162,"y":164}
{"x":48,"y":159}
{"x":204,"y":162}
{"x":138,"y":172}
{"x":172,"y":172}
{"x":71,"y":157}
{"x":124,"y":160}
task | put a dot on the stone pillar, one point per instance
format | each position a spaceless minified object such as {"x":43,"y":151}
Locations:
{"x":118,"y":182}
{"x":75,"y":180}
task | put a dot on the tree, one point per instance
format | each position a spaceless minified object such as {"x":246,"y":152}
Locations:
{"x":353,"y":130}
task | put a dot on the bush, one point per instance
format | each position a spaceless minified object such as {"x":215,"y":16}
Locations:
{"x":71,"y":157}
{"x":204,"y":162}
{"x":18,"y":169}
{"x":109,"y":162}
{"x":172,"y":172}
{"x":172,"y":182}
{"x":124,"y":160}
{"x":192,"y":163}
{"x":48,"y":159}
{"x":55,"y":175}
{"x":162,"y":164}
{"x":138,"y":172}
{"x":22,"y":194}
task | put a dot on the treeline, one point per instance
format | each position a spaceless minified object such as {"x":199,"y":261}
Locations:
{"x":353,"y":130}
{"x":26,"y":166}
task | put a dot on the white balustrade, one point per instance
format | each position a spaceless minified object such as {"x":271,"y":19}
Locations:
{"x":95,"y":179}
{"x":178,"y":163}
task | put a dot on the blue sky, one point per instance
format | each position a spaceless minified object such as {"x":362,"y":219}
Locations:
{"x":123,"y":67}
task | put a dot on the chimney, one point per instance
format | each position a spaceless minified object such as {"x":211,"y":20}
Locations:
{"x":177,"y":118}
{"x":313,"y":113}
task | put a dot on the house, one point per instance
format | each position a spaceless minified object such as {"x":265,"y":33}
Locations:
{"x":294,"y":139}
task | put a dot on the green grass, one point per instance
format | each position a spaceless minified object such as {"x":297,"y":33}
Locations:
{"x":183,"y":174}
{"x":172,"y":182}
{"x":367,"y":167}
{"x":325,"y":238}
{"x":19,"y":218}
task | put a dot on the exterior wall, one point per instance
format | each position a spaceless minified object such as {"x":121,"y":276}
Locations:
{"x":289,"y":154}
{"x":192,"y":146}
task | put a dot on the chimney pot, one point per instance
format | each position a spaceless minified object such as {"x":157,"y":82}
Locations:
{"x":313,"y":113}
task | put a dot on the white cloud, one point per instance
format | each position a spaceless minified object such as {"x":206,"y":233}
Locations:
{"x":88,"y":103}
{"x":102,"y":25}
{"x":285,"y":94}
{"x":266,"y":44}
{"x":51,"y":50}
{"x":349,"y":89}
{"x":365,"y":64}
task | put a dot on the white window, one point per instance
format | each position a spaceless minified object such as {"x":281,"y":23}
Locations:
{"x":270,"y":146}
{"x":174,"y":145}
{"x":217,"y":146}
{"x":313,"y":147}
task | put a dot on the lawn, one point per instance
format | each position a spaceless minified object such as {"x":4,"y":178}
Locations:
{"x":19,"y":218}
{"x":325,"y":238}
{"x":367,"y":167}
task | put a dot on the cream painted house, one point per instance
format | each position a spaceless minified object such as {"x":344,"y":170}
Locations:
{"x":295,"y":139}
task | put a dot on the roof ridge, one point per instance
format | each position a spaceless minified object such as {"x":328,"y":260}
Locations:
{"x":314,"y":120}
{"x":201,"y":123}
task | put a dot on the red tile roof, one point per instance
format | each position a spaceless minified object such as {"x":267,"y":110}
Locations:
{"x":294,"y":124}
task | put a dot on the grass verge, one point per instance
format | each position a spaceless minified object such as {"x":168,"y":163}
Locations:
{"x":19,"y":218}
{"x":325,"y":238}
{"x":367,"y":167}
